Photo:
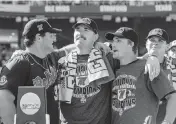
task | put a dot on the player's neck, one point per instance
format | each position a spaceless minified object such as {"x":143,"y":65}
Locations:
{"x":161,"y":58}
{"x":82,"y":51}
{"x":128,"y":59}
{"x":37,"y":52}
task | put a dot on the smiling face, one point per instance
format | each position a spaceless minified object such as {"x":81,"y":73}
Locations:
{"x":121,"y":47}
{"x":84,"y":37}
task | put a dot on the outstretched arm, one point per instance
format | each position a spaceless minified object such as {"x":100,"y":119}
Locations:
{"x":97,"y":45}
{"x":68,"y":48}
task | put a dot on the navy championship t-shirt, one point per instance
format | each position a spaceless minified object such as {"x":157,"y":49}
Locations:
{"x":26,"y":69}
{"x":135,"y":99}
{"x":90,"y":104}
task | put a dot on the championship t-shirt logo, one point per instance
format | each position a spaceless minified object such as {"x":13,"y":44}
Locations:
{"x":50,"y":78}
{"x":123,"y":93}
{"x":82,"y":89}
{"x":81,"y":70}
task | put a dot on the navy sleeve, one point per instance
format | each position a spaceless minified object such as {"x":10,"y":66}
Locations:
{"x":15,"y":73}
{"x":58,"y":54}
{"x":161,"y":85}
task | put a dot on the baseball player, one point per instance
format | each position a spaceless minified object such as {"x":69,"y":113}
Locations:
{"x":171,"y":61}
{"x":135,"y":99}
{"x":36,"y":66}
{"x":157,"y":42}
{"x":85,"y":79}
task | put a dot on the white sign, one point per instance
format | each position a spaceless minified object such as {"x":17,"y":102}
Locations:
{"x":15,"y":8}
{"x":162,"y":8}
{"x":113,"y":8}
{"x":57,"y":8}
{"x":30,"y":103}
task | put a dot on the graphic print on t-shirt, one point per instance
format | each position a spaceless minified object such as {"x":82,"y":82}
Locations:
{"x":51,"y":77}
{"x":82,"y":89}
{"x":123,"y":93}
{"x":81,"y":79}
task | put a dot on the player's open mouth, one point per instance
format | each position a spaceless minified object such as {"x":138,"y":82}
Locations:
{"x":80,"y":38}
{"x":115,"y":51}
{"x":53,"y":43}
{"x":155,"y":47}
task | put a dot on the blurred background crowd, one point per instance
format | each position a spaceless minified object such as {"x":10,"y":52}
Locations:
{"x":142,"y":15}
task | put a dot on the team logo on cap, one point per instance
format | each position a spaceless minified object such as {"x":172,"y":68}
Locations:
{"x":120,"y":30}
{"x":40,"y":27}
{"x":86,"y":20}
{"x":3,"y":80}
{"x":157,"y":31}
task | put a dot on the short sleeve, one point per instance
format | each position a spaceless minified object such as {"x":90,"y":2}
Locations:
{"x":15,"y":73}
{"x":115,"y":63}
{"x":161,"y":85}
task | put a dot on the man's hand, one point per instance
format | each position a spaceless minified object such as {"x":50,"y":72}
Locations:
{"x":102,"y":46}
{"x":152,"y":67}
{"x":16,"y":52}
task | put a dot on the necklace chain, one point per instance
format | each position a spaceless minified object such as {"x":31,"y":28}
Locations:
{"x":37,"y":62}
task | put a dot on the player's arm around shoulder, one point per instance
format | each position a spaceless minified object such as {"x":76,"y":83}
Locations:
{"x":66,"y":49}
{"x":62,"y":52}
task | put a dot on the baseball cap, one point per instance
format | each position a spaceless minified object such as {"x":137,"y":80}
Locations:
{"x":159,"y":33}
{"x":88,"y":22}
{"x":123,"y":32}
{"x":172,"y":44}
{"x":38,"y":26}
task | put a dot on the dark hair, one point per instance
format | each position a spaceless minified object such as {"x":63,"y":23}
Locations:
{"x":29,"y":40}
{"x":135,"y":47}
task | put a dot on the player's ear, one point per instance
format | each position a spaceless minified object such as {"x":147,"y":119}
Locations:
{"x":167,"y":47}
{"x":38,"y":37}
{"x":96,"y":37}
{"x":131,"y":43}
